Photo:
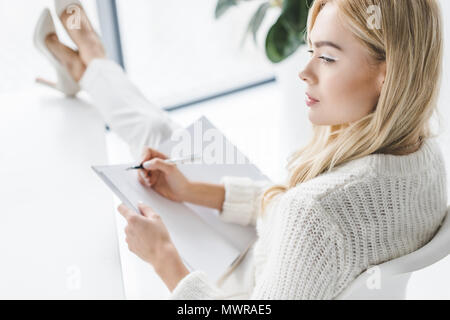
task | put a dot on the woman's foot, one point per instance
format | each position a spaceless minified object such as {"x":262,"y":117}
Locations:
{"x":81,"y":31}
{"x":66,"y":56}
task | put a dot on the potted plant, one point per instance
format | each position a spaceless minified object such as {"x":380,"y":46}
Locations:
{"x":285,"y":48}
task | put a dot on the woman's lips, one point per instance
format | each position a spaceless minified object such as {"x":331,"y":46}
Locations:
{"x":310,"y":101}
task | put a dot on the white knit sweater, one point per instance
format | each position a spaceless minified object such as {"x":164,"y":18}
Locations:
{"x":320,"y":235}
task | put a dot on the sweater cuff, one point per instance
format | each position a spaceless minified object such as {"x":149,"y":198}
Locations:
{"x":240,"y":205}
{"x":195,"y":286}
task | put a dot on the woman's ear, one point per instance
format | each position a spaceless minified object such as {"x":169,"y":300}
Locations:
{"x":381,"y":75}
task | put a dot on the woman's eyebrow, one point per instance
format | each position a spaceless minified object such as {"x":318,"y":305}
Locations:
{"x":326,"y":43}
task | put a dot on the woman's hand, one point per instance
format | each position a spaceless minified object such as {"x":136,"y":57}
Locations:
{"x":148,"y":238}
{"x":164,"y":178}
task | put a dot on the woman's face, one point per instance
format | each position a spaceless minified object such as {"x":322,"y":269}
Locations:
{"x":341,"y":75}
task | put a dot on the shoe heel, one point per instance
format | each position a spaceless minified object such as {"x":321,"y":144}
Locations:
{"x":46,"y":83}
{"x":61,"y":85}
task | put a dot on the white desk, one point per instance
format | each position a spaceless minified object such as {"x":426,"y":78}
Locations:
{"x":57,"y":229}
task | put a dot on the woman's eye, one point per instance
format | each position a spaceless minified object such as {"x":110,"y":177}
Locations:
{"x":327,"y":60}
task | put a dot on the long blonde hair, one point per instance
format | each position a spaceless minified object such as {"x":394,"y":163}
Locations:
{"x":410,"y":41}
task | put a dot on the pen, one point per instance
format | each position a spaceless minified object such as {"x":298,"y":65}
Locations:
{"x":191,"y":158}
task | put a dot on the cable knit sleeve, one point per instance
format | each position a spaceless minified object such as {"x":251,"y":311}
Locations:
{"x":304,"y":260}
{"x":242,"y":200}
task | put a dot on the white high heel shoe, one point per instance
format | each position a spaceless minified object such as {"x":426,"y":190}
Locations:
{"x":65,"y":82}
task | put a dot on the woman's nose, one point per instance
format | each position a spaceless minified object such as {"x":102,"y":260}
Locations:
{"x":303,"y":76}
{"x":307,"y":76}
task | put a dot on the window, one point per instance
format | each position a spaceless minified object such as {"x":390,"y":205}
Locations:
{"x":176,"y":51}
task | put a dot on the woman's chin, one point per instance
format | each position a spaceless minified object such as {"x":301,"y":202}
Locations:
{"x":314,"y":119}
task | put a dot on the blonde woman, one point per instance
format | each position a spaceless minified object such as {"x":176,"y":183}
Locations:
{"x":368,"y":188}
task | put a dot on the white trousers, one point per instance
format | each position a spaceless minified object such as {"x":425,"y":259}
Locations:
{"x":127,"y":112}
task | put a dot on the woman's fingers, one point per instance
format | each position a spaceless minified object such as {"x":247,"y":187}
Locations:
{"x":150,"y":154}
{"x":146,"y":154}
{"x":153,"y":177}
{"x":159,"y":164}
{"x":126,"y":212}
{"x":143,"y":178}
{"x":146,"y":177}
{"x":147,"y":211}
{"x":158,"y":154}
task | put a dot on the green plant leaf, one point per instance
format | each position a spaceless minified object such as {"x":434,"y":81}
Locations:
{"x":281,"y":42}
{"x":287,"y":34}
{"x":257,"y":19}
{"x":223,"y":6}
